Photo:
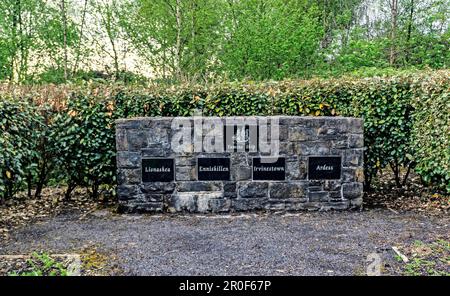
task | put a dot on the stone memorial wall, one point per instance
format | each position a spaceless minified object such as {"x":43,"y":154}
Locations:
{"x":208,"y":164}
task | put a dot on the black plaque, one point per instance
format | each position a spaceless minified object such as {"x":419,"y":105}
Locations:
{"x":269,"y":168}
{"x":210,"y":169}
{"x":157,"y":170}
{"x":240,"y":138}
{"x":324,"y":168}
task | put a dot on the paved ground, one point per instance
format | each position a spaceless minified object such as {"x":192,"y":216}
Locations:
{"x":335,"y":243}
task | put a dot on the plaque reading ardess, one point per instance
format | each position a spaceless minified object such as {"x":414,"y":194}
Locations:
{"x":324,"y":168}
{"x":269,"y":168}
{"x":157,"y":170}
{"x":210,"y":169}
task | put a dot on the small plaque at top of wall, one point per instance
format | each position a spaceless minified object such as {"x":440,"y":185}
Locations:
{"x":240,"y":138}
{"x":213,"y":169}
{"x":324,"y":167}
{"x":157,"y":170}
{"x":269,"y":168}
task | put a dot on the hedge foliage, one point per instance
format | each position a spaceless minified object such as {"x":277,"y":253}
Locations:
{"x":66,"y":133}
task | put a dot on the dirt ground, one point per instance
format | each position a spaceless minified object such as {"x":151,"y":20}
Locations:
{"x":305,"y":243}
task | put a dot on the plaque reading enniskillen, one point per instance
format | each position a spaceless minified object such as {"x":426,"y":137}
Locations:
{"x":210,"y":169}
{"x":269,"y":168}
{"x":324,"y":168}
{"x":157,"y":170}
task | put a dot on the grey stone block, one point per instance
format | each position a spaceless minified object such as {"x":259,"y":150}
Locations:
{"x":248,"y":204}
{"x":239,"y":159}
{"x":315,"y":188}
{"x":353,"y":158}
{"x":318,"y":196}
{"x":147,"y":207}
{"x":335,"y":195}
{"x":356,"y":141}
{"x":129,"y":123}
{"x":186,"y":173}
{"x":336,"y":205}
{"x":219,"y":205}
{"x":154,"y":187}
{"x":156,"y":152}
{"x":285,"y":190}
{"x":240,"y":173}
{"x":229,"y":190}
{"x":157,"y":136}
{"x":199,"y":186}
{"x":128,"y":159}
{"x":137,"y":139}
{"x":194,"y":201}
{"x":275,"y":205}
{"x":332,"y":185}
{"x":356,"y":203}
{"x":283,"y":133}
{"x":339,"y":143}
{"x":352,"y":190}
{"x":121,"y":140}
{"x":301,"y":134}
{"x":183,"y":202}
{"x":185,"y":161}
{"x":129,"y":176}
{"x":295,"y":204}
{"x":312,"y":148}
{"x":127,"y":192}
{"x":253,"y":189}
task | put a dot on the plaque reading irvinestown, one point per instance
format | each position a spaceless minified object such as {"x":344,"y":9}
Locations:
{"x":270,"y":169}
{"x":214,"y":164}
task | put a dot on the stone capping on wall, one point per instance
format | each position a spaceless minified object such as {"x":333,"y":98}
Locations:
{"x":301,"y":138}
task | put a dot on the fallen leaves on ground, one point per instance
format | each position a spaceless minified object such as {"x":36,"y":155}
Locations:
{"x":21,"y":210}
{"x":412,"y":197}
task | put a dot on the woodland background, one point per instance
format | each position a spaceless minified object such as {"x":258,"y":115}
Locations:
{"x":205,"y":41}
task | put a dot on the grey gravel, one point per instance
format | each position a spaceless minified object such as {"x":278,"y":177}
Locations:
{"x":317,"y":243}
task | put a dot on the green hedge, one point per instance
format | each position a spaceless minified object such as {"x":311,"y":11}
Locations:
{"x":66,"y":133}
{"x":431,"y":131}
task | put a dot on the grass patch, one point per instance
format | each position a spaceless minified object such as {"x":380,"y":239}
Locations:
{"x":41,"y":264}
{"x":428,"y":259}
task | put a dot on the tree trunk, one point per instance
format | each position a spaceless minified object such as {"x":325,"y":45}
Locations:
{"x":64,"y":21}
{"x":408,"y":37}
{"x":29,"y":184}
{"x":70,"y":187}
{"x":178,"y":40}
{"x":394,"y":15}
{"x":18,"y":44}
{"x":83,"y":21}
{"x":116,"y":60}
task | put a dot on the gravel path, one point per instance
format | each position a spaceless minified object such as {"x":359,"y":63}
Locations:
{"x":334,"y":243}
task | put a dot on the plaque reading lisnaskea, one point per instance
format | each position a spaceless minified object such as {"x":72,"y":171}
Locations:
{"x":324,"y":168}
{"x":211,"y":169}
{"x":157,"y":170}
{"x":269,"y":168}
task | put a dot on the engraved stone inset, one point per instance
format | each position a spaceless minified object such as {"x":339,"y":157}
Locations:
{"x":324,"y":168}
{"x":213,"y":169}
{"x":157,"y":170}
{"x":269,"y":168}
